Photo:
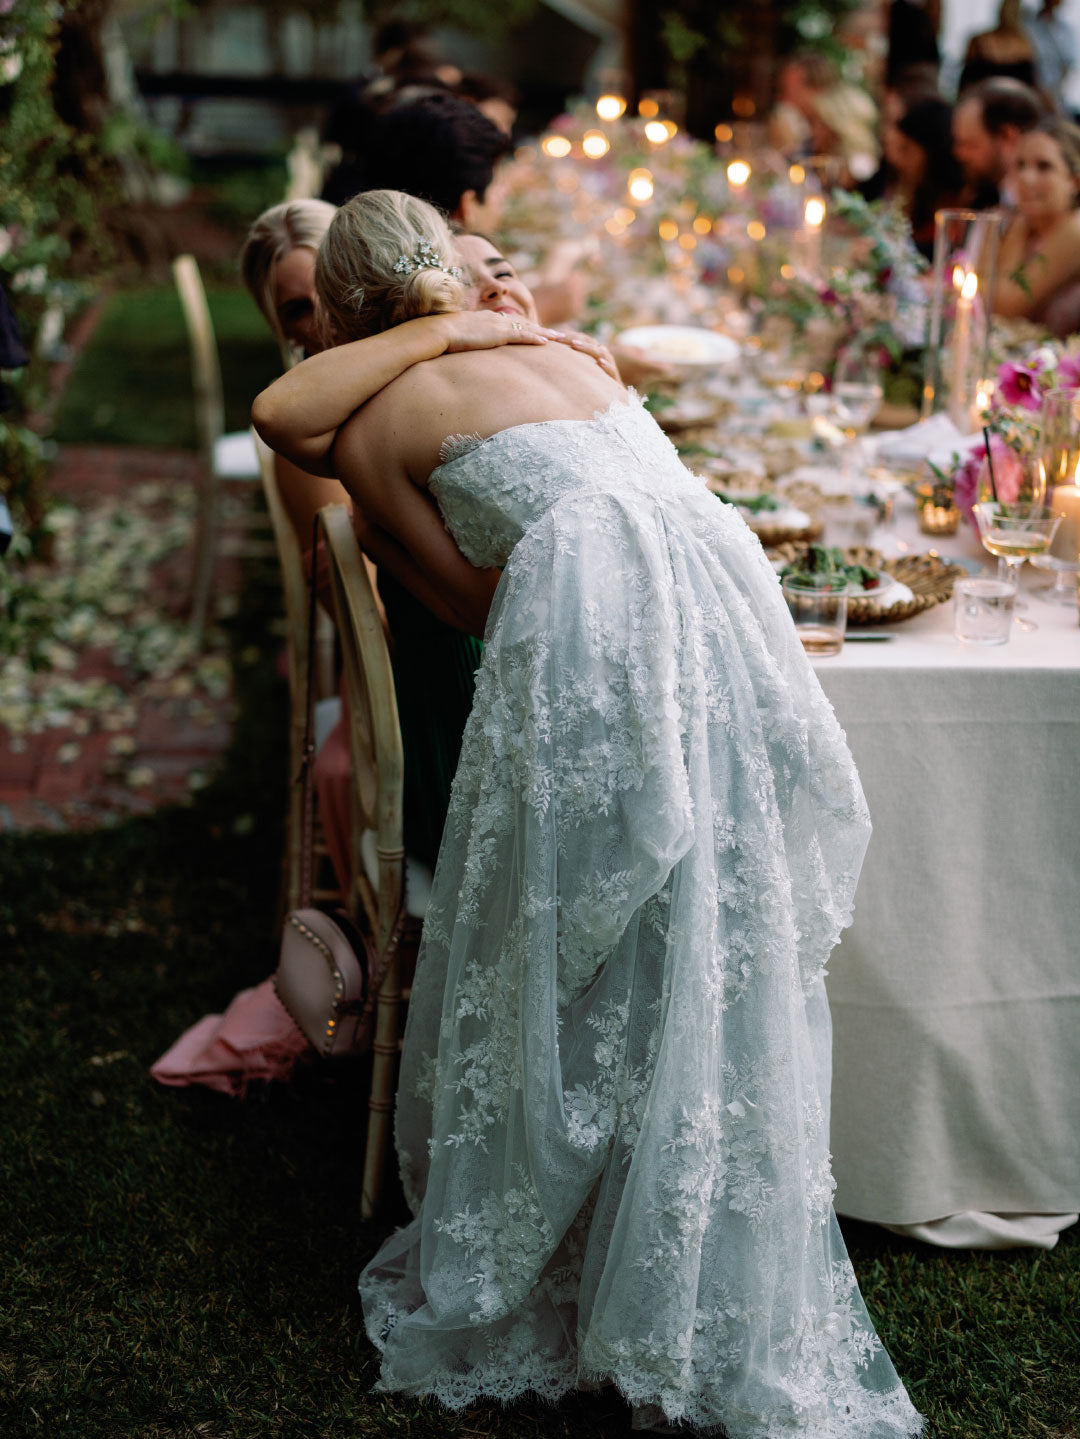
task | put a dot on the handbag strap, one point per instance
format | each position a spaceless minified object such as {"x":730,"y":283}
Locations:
{"x":307,"y":762}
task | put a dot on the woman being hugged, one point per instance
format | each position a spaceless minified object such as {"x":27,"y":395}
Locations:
{"x":612,"y":1119}
{"x":1039,"y":260}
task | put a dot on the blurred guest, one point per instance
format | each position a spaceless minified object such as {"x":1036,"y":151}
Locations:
{"x":987,"y":124}
{"x":843,"y":126}
{"x":497,"y":99}
{"x":912,"y":41}
{"x":903,"y":90}
{"x":1005,"y":50}
{"x":1054,"y":43}
{"x":927,"y":176}
{"x":440,"y":149}
{"x":1039,"y":260}
{"x":802,"y":76}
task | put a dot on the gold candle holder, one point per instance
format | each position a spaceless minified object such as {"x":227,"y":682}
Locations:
{"x":938,"y":514}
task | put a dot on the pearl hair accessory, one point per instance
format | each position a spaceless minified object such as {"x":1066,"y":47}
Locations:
{"x":426,"y":257}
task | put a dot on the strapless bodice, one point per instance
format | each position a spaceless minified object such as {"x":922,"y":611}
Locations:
{"x":490,"y":491}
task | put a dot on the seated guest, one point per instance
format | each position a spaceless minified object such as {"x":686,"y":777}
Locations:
{"x":987,"y":124}
{"x":900,"y":92}
{"x":497,"y":99}
{"x":843,"y":126}
{"x":1004,"y":51}
{"x":802,"y":76}
{"x":1039,"y":260}
{"x":927,"y":176}
{"x":440,"y":149}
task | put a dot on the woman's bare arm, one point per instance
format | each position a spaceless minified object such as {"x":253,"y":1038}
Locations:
{"x":1049,"y":270}
{"x":403,"y":532}
{"x":300,"y":413}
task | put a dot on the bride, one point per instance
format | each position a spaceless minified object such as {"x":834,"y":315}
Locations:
{"x":612,"y":1120}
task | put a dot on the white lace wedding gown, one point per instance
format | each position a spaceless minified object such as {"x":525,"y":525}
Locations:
{"x":613,"y":1114}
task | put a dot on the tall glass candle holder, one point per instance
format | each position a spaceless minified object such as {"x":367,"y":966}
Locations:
{"x":962,"y":301}
{"x":1058,"y":451}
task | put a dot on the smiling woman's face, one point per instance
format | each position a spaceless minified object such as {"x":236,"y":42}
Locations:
{"x":492,"y":282}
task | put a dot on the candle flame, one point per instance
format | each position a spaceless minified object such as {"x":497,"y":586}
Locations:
{"x":556,"y":146}
{"x":738,"y":172}
{"x":595,"y":144}
{"x":657,"y":133}
{"x":814,"y":212}
{"x":610,"y":107}
{"x":970,"y":286}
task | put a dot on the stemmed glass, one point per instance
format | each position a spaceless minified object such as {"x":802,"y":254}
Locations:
{"x":1015,"y":533}
{"x":1059,"y":458}
{"x":857,"y":393}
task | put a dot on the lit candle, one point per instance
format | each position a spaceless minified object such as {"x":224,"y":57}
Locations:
{"x":966,"y":284}
{"x":610,"y":107}
{"x":813,"y":220}
{"x":1065,"y":501}
{"x":738,"y":173}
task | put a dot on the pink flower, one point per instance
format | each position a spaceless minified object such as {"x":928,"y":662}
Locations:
{"x":1068,"y":372}
{"x":1019,"y":385}
{"x":971,"y":482}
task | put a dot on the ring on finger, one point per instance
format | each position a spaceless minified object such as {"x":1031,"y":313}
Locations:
{"x":516,"y":325}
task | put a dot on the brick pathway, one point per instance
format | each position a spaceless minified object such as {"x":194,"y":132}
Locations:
{"x":105,"y":768}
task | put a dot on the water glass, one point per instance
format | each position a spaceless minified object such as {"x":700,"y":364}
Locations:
{"x":818,"y":605}
{"x":983,"y":611}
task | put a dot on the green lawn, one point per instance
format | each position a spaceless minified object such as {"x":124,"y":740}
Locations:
{"x":132,"y":382}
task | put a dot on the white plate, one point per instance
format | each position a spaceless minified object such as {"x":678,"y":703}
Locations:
{"x":681,"y":344}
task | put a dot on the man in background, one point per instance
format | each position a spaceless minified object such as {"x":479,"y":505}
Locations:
{"x":986,"y":127}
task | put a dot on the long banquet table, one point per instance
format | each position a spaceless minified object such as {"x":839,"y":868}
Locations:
{"x":956,"y":993}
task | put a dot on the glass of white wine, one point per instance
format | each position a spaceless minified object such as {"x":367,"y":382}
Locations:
{"x":1015,"y":533}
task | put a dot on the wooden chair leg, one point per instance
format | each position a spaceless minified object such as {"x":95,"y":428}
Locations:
{"x":381,"y":1101}
{"x":202,"y":577}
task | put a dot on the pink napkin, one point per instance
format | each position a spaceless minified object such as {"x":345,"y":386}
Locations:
{"x":253,"y":1039}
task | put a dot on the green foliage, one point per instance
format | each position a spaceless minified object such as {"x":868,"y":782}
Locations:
{"x":48,"y":208}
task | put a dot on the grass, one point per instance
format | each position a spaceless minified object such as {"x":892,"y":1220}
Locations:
{"x":180,"y":1264}
{"x":132,"y":382}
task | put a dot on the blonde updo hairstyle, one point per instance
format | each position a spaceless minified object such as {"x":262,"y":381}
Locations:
{"x":361,"y":292}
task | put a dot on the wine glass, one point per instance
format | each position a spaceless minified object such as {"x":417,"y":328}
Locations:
{"x":857,"y":392}
{"x":1015,"y":533}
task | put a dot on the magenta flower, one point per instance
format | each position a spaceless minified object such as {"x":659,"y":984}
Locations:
{"x":1019,"y":385}
{"x":971,"y":482}
{"x":1068,"y":372}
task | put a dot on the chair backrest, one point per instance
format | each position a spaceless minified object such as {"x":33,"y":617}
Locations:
{"x":205,"y":366}
{"x":374,"y":730}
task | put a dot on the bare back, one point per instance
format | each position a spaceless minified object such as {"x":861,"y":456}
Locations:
{"x":386,"y":452}
{"x":481,"y":392}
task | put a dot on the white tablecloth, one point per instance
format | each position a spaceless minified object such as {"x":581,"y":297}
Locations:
{"x":956,"y":993}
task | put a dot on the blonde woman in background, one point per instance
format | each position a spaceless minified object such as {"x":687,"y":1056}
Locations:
{"x":1039,"y":259}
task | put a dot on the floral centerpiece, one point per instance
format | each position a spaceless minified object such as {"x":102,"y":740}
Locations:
{"x":876,"y":299}
{"x":1013,"y":424}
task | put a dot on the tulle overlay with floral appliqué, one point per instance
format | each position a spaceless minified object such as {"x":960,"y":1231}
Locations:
{"x":612,"y":1121}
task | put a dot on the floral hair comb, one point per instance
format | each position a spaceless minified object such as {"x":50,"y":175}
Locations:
{"x":426,"y":257}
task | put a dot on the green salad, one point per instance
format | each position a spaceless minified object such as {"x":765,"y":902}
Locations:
{"x":826,"y":560}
